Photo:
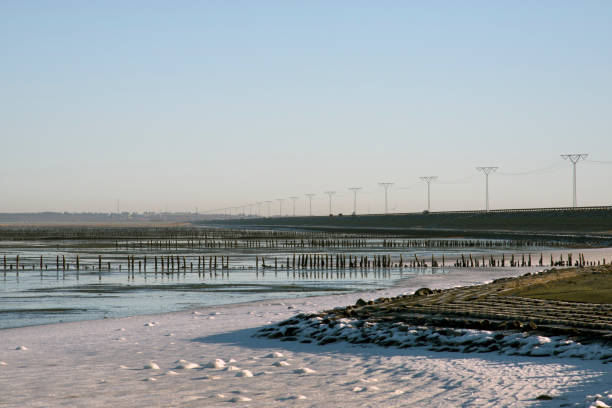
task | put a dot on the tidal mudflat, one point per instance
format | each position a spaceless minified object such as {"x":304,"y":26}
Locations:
{"x":208,"y":354}
{"x":55,"y":274}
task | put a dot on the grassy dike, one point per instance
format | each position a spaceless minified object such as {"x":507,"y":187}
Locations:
{"x":574,"y":303}
{"x":574,"y":285}
{"x":585,"y":225}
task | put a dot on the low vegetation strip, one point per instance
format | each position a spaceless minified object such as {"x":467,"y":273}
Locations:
{"x":594,"y":287}
{"x":566,"y":220}
{"x":490,"y":317}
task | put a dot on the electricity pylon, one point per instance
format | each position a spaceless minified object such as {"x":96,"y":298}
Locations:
{"x":330,"y":194}
{"x":574,"y":158}
{"x":354,"y":190}
{"x":310,"y":195}
{"x":280,"y":206}
{"x":486,"y":171}
{"x":386,"y":186}
{"x":428,"y":180}
{"x":268,"y":202}
{"x":293,"y":199}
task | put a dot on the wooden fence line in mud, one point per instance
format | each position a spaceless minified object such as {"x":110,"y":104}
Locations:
{"x":170,"y":264}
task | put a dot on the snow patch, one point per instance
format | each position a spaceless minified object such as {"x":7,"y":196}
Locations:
{"x":186,"y":365}
{"x":244,"y":373}
{"x":240,"y":398}
{"x":232,"y":368}
{"x":304,"y":370}
{"x":217,"y":363}
{"x":314,"y":329}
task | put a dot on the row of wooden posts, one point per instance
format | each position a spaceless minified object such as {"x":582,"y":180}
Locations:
{"x":324,"y":243}
{"x":64,"y":233}
{"x":171,"y":263}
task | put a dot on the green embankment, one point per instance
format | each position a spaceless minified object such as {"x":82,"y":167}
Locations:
{"x":592,"y":224}
{"x":595,"y":287}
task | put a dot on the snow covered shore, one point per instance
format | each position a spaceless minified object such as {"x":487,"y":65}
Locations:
{"x":209,"y":357}
{"x":321,"y":330}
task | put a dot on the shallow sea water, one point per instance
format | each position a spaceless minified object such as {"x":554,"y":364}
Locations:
{"x":33,"y":297}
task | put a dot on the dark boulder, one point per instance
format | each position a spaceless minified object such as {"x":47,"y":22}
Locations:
{"x":423,"y":292}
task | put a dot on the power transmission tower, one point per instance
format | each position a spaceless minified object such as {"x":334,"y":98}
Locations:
{"x":574,"y":158}
{"x":486,"y":171}
{"x":293,"y":199}
{"x":428,"y":180}
{"x":310,"y":195}
{"x":354,"y":190}
{"x":330,"y":194}
{"x":386,"y":186}
{"x":280,"y":206}
{"x":268,"y":202}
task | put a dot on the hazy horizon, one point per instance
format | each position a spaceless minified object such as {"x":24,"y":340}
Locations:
{"x":222,"y":104}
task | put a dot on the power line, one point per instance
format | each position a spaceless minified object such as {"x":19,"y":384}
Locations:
{"x":268,"y":202}
{"x":599,"y":161}
{"x":280,"y":206}
{"x":409,"y":187}
{"x":462,"y":180}
{"x":486,"y":171}
{"x":330,"y":194}
{"x":428,"y":180}
{"x":310,"y":195}
{"x":574,"y":158}
{"x":293,"y":199}
{"x":386,"y":187}
{"x":354,"y":190}
{"x":540,"y":170}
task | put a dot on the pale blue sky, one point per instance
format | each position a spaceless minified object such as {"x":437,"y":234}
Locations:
{"x":223,"y":103}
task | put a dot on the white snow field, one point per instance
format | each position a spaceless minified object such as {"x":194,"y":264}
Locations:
{"x":188,"y":359}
